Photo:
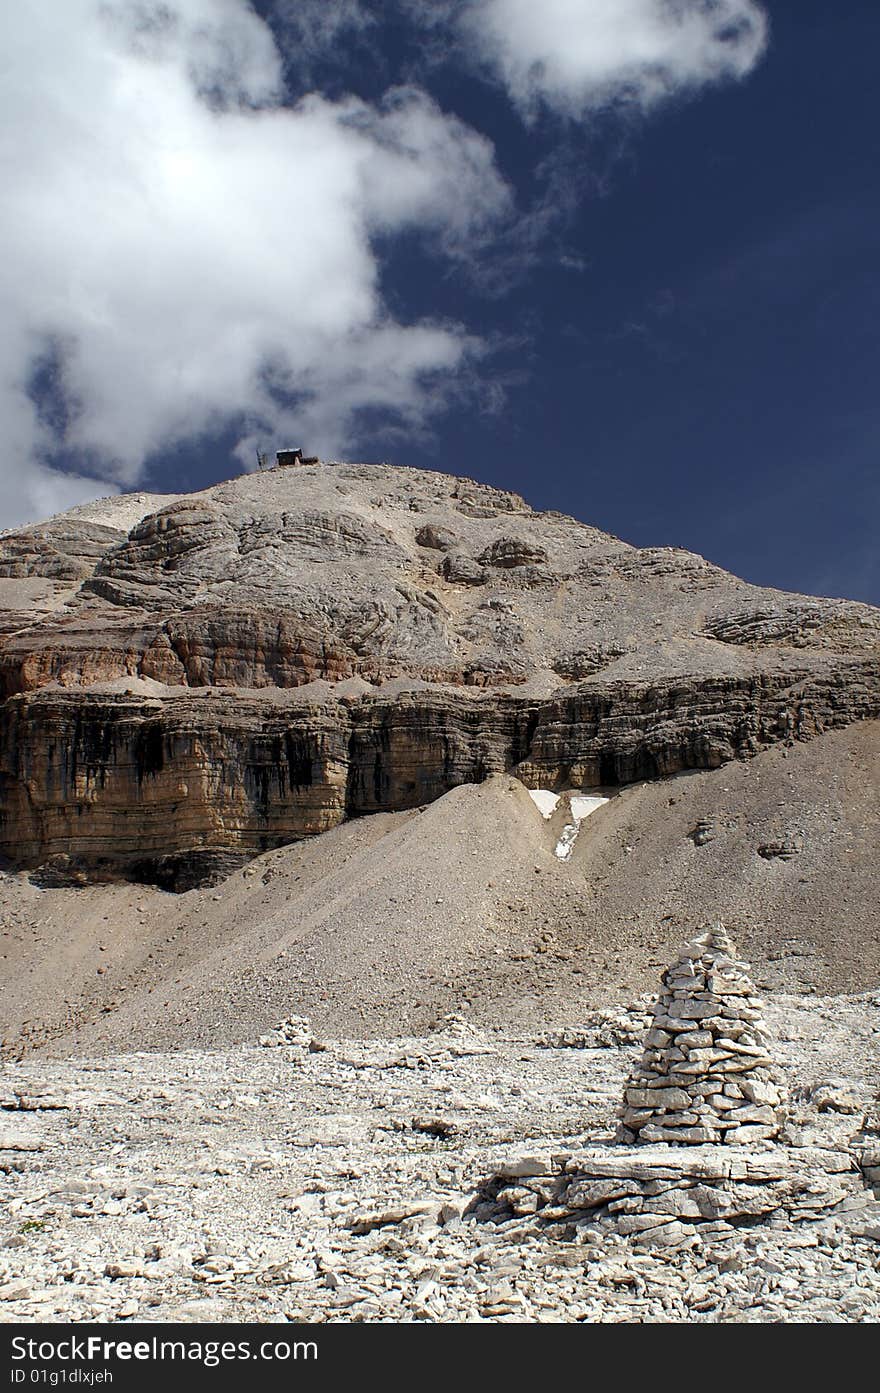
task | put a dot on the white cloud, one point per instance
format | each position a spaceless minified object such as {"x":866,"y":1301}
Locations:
{"x":577,"y":56}
{"x":196,"y":252}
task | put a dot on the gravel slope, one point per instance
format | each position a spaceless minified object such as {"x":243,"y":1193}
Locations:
{"x":387,"y":923}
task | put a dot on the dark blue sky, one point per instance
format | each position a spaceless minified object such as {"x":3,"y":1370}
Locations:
{"x":684,"y":319}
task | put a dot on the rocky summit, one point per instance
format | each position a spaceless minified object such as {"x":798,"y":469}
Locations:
{"x":190,"y":681}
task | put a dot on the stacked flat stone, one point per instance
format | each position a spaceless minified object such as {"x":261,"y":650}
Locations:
{"x":295,"y":1031}
{"x":667,"y":1197}
{"x":706,"y":1074}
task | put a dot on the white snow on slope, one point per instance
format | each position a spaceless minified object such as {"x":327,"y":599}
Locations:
{"x":581,"y":807}
{"x":581,"y":804}
{"x":545,"y":800}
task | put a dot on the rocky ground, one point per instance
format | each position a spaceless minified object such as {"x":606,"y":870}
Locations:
{"x":282,"y":1182}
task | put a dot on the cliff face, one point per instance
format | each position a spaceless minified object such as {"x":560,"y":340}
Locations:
{"x":253,"y":664}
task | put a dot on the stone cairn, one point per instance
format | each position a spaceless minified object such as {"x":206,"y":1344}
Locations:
{"x":294,"y":1032}
{"x":705,"y":1082}
{"x":706,"y":1074}
{"x":672,"y":1196}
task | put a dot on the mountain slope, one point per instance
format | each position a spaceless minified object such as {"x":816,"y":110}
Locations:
{"x":256,"y":663}
{"x":390,"y":922}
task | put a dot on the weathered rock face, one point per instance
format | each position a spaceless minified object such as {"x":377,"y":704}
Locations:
{"x":707,"y":1074}
{"x":58,"y":550}
{"x":252,"y":664}
{"x":119,"y":781}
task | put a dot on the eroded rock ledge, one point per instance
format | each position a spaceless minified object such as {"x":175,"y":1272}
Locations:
{"x":169,"y":787}
{"x":191,"y":680}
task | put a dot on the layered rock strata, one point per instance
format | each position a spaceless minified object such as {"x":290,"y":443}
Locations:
{"x":706,"y":1074}
{"x":128,"y":784}
{"x":212,"y":675}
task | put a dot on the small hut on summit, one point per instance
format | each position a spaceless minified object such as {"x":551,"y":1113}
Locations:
{"x":285,"y":458}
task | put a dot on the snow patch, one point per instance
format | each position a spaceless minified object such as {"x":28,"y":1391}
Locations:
{"x":582,"y":805}
{"x":567,"y":841}
{"x":545,"y":800}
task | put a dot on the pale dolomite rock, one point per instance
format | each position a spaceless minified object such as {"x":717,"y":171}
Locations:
{"x":695,"y":1096}
{"x":645,"y":1195}
{"x":295,"y":1031}
{"x":188,"y":681}
{"x":707,"y":1031}
{"x":269,"y":1213}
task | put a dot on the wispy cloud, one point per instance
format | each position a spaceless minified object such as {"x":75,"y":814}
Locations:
{"x":190,"y":252}
{"x":195,"y":241}
{"x":316,"y":35}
